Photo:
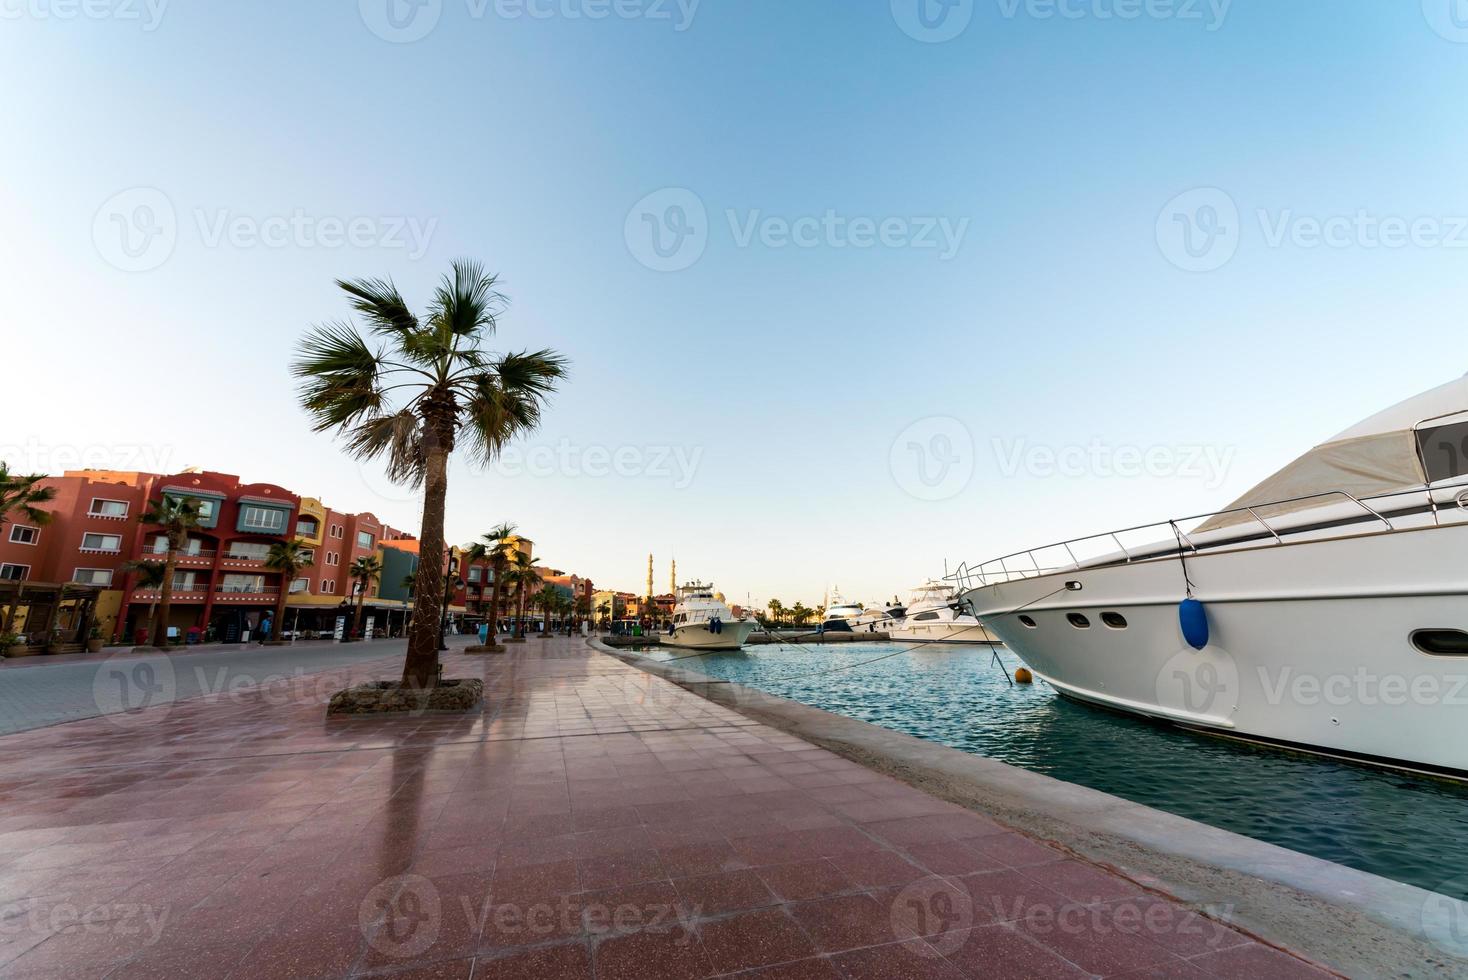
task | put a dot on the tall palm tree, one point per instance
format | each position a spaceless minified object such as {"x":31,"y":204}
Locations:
{"x":20,"y":497}
{"x":800,"y":613}
{"x":147,"y":576}
{"x":776,"y":608}
{"x":581,"y":609}
{"x":494,"y":547}
{"x":429,"y":388}
{"x":289,"y":558}
{"x":524,"y":575}
{"x":604,"y":611}
{"x":176,"y":516}
{"x":363,"y":573}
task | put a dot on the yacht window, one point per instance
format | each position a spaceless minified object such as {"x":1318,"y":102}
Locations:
{"x":1078,"y":621}
{"x":1441,"y":643}
{"x":1115,"y":620}
{"x":1027,"y":622}
{"x":1444,"y":450}
{"x":922,"y":617}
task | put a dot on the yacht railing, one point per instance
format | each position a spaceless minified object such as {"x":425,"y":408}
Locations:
{"x":1070,"y":554}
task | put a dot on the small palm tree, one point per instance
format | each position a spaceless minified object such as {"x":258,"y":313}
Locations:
{"x":776,"y":608}
{"x":21,"y":497}
{"x":581,"y":609}
{"x":494,"y":547}
{"x":549,"y":600}
{"x":147,"y":577}
{"x":431,"y":389}
{"x":604,"y":612}
{"x":289,"y":558}
{"x":363,"y":573}
{"x":176,"y":516}
{"x":800,"y":613}
{"x":524,"y":575}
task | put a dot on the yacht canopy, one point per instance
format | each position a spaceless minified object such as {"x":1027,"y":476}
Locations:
{"x":1375,"y":456}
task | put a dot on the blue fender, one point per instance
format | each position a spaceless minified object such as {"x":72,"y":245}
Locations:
{"x":1193,"y":619}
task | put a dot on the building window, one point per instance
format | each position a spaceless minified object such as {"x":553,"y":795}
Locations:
{"x":474,"y":574}
{"x":107,"y":508}
{"x":248,"y":550}
{"x":364,"y":540}
{"x":306,"y":527}
{"x":328,"y":585}
{"x":331,"y":558}
{"x":159,"y":546}
{"x":101,"y":542}
{"x":92,"y":576}
{"x":184,"y":581}
{"x":23,"y":534}
{"x":14,"y":573}
{"x":262,"y":518}
{"x":243,"y":583}
{"x":205,"y":508}
{"x":336,"y":530}
{"x":308,"y":556}
{"x":301,"y":585}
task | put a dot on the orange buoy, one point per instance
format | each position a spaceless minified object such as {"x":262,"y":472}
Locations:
{"x":1022,"y":675}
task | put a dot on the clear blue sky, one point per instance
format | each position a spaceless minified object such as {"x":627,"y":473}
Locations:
{"x":1066,"y":320}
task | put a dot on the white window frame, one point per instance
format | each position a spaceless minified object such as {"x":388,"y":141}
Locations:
{"x":328,"y":585}
{"x":190,"y":578}
{"x":248,"y":544}
{"x":302,"y":584}
{"x":35,"y":534}
{"x":92,"y":510}
{"x":276,"y":526}
{"x":99,"y":548}
{"x":107,"y":571}
{"x":333,"y":559}
{"x":25,"y":574}
{"x":370,"y":540}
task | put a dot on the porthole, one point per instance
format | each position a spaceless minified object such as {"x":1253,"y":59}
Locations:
{"x":1027,"y":622}
{"x":1114,"y":620}
{"x":1441,"y":643}
{"x":1078,"y":621}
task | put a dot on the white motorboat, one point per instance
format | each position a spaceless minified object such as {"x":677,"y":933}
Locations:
{"x":701,"y":621}
{"x":935,"y":615}
{"x":1326,"y":610}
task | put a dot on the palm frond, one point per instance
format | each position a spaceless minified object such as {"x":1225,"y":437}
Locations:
{"x":379,"y":301}
{"x":467,"y":303}
{"x":340,"y":376}
{"x":397,"y":439}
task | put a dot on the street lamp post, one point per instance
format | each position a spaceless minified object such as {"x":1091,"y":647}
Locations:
{"x":443,"y":621}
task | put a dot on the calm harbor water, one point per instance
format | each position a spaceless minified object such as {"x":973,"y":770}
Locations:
{"x":1396,"y":826}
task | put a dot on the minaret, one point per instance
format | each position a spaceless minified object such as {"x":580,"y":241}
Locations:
{"x":649,"y":575}
{"x":673,"y":578}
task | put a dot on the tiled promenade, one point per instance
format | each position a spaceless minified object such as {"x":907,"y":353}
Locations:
{"x":594,"y":821}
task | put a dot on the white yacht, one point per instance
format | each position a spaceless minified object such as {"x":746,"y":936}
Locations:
{"x":701,"y":621}
{"x":1326,"y":610}
{"x":841,"y":616}
{"x":935,"y":615}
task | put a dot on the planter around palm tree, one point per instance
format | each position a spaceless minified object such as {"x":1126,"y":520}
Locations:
{"x":428,"y":389}
{"x":289,"y":558}
{"x":176,"y":516}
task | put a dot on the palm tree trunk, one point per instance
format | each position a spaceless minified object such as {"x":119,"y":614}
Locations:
{"x":357,"y":620}
{"x":520,"y":612}
{"x":420,"y":669}
{"x":280,"y":611}
{"x":152,"y":616}
{"x":165,"y":594}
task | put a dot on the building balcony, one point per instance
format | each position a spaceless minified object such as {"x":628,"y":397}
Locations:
{"x":246,"y":592}
{"x":231,"y":563}
{"x":196,"y":559}
{"x":196,"y":593}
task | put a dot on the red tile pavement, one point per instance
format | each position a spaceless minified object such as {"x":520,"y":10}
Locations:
{"x":591,"y":821}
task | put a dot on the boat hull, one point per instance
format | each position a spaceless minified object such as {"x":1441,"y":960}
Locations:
{"x":696,"y":636}
{"x":955,"y":632}
{"x":1310,"y":643}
